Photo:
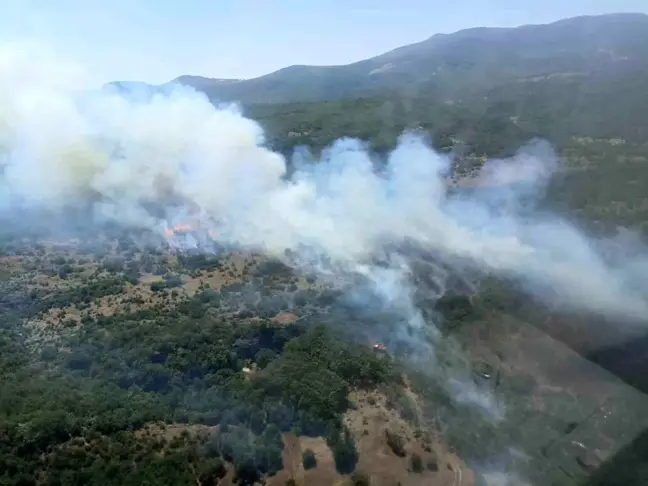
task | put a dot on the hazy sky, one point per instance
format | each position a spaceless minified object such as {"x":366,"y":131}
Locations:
{"x":157,"y":40}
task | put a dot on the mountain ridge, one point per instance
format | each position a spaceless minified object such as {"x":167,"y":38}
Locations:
{"x":474,"y":59}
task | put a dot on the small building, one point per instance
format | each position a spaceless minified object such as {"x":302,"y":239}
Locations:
{"x":249,"y":371}
{"x":483,"y":369}
{"x":379,"y":347}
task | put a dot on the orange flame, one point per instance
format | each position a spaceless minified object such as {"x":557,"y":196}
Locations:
{"x":184,"y":228}
{"x":179,"y":228}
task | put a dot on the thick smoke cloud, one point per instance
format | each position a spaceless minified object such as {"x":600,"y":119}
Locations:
{"x":64,"y":147}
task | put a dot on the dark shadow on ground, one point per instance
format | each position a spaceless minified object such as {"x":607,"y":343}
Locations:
{"x":628,"y":361}
{"x":629,"y":467}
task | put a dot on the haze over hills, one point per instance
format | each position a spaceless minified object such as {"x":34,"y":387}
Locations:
{"x":469,"y":62}
{"x":579,"y":77}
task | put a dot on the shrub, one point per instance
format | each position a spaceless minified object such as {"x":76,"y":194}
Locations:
{"x":308,"y":459}
{"x":359,"y":479}
{"x":344,"y":451}
{"x":157,"y":286}
{"x":416,"y":463}
{"x":395,"y":443}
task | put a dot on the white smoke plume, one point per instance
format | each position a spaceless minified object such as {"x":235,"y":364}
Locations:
{"x":503,"y":479}
{"x":61,"y":146}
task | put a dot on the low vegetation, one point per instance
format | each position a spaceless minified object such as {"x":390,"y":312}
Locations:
{"x":96,"y":402}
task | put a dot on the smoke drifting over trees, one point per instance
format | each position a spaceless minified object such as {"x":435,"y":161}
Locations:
{"x":118,"y":155}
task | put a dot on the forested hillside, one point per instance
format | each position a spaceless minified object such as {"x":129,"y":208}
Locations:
{"x":584,"y":76}
{"x":462,"y":65}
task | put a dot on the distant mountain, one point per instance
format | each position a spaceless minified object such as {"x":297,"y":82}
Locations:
{"x":472,"y":61}
{"x":202,"y":83}
{"x":584,"y":76}
{"x":128,"y":86}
